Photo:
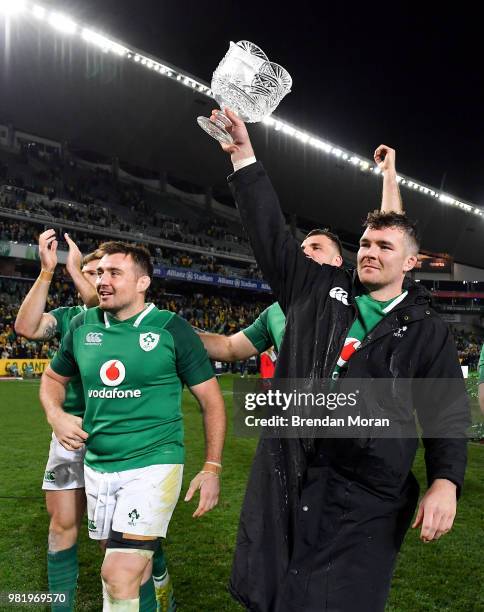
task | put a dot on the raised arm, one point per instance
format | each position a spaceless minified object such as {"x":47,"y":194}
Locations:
{"x":86,"y":290}
{"x":278,"y":254}
{"x":207,"y":480}
{"x":228,"y":348}
{"x":391,"y":200}
{"x":32,"y":322}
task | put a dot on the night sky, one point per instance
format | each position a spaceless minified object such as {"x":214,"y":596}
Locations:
{"x":410,"y":77}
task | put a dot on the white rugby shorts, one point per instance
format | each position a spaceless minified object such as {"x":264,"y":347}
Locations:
{"x":64,"y":469}
{"x":139,"y":501}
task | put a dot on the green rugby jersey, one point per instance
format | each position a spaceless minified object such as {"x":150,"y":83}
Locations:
{"x":133,"y":373}
{"x":74,"y":403}
{"x":370,"y":313}
{"x":268,"y":329}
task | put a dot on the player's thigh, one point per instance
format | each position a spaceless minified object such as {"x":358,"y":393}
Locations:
{"x":66,"y":508}
{"x":64,"y":469}
{"x":147,"y":499}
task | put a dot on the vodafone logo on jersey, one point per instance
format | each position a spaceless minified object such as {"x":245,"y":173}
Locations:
{"x":349,"y":349}
{"x":112,"y":372}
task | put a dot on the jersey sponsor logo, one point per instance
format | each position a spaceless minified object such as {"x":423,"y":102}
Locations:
{"x":94,"y":338}
{"x":148,"y":341}
{"x":350,"y":347}
{"x":338,"y":293}
{"x":112,"y":372}
{"x":399,"y":332}
{"x":114,"y":393}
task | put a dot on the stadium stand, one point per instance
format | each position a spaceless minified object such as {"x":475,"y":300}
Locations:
{"x":81,"y":194}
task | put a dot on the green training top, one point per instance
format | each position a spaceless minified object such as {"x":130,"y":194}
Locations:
{"x":268,"y":329}
{"x":133,"y":373}
{"x":370,"y":313}
{"x":481,"y":365}
{"x":74,"y":402}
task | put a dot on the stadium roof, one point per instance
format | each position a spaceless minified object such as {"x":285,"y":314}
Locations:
{"x":70,"y":83}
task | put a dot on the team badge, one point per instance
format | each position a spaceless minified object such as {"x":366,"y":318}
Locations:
{"x":133,"y":517}
{"x":112,"y":372}
{"x":148,"y":341}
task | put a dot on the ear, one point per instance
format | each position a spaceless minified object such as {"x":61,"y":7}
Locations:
{"x":337,"y":261}
{"x":410,"y":263}
{"x":143,"y":283}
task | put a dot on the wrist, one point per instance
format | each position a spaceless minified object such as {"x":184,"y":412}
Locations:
{"x":46,"y":274}
{"x":444,"y":482}
{"x":53,"y":415}
{"x":212,"y":467}
{"x":242,"y":154}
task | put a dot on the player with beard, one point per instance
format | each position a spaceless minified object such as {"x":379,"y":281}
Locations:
{"x":133,"y":360}
{"x":320,"y":245}
{"x":323,"y":520}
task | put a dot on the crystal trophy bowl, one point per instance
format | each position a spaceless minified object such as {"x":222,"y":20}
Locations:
{"x":247,"y":83}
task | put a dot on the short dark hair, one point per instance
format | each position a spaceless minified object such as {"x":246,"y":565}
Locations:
{"x":139,"y":254}
{"x":378,"y":219}
{"x":333,"y":237}
{"x":97,"y":254}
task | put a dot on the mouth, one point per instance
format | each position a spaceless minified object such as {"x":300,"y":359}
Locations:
{"x":369,"y":267}
{"x":104,"y":294}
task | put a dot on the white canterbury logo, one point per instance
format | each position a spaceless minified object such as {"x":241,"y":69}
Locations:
{"x":339,"y":294}
{"x":94,"y":338}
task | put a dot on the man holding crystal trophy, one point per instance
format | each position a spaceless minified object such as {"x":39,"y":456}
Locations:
{"x":316,"y":534}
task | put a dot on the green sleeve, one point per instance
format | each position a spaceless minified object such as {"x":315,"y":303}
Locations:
{"x":64,"y":361}
{"x":192,"y":362}
{"x":258,"y":332}
{"x":481,"y":366}
{"x":59,"y":316}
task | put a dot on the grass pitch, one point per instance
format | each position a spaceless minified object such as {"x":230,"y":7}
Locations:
{"x":444,"y":576}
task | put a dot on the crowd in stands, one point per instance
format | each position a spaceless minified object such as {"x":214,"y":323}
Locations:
{"x":96,"y":191}
{"x":26,"y":232}
{"x":469,"y":346}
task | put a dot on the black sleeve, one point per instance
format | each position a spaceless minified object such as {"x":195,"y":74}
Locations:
{"x":443,"y":407}
{"x":284,"y":266}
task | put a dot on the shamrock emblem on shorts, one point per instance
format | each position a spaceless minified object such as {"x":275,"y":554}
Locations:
{"x":134,"y":516}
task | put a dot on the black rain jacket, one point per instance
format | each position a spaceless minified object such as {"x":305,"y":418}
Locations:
{"x":317,"y":323}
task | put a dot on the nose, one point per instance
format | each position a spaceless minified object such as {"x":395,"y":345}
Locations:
{"x":371,"y":252}
{"x":101,"y":279}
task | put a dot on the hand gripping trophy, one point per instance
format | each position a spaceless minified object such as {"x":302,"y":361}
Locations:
{"x":249,"y":84}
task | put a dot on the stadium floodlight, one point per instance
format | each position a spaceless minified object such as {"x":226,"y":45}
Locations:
{"x":62,"y":23}
{"x":38,"y":11}
{"x":103,"y":42}
{"x":12,"y":7}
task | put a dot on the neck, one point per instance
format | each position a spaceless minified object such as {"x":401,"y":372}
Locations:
{"x":382,"y":294}
{"x":128,"y":311}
